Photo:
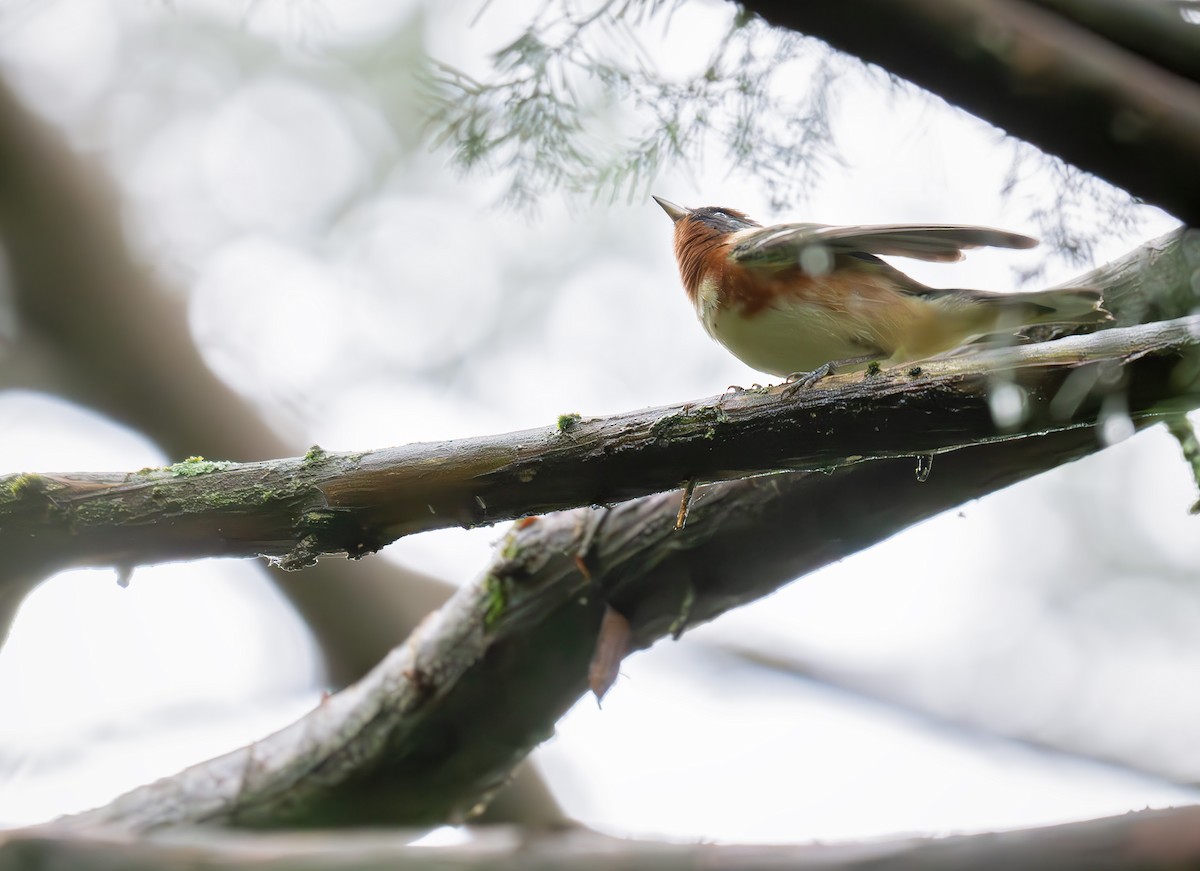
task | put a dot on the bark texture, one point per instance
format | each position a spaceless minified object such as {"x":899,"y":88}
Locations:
{"x":324,"y":503}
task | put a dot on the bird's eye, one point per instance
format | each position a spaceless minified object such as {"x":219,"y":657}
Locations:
{"x":721,"y":215}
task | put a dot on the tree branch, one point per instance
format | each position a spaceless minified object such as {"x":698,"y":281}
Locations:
{"x":1147,"y":840}
{"x":299,"y":508}
{"x":96,"y":327}
{"x":425,"y":722}
{"x":1038,"y":75}
{"x":1154,"y":31}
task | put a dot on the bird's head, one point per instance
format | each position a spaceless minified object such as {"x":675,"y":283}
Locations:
{"x":707,"y":221}
{"x":700,"y":235}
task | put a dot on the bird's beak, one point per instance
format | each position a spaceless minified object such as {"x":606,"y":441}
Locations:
{"x":676,"y":212}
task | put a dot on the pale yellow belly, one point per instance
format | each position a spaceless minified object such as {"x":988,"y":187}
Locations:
{"x":795,"y":336}
{"x":781,"y":341}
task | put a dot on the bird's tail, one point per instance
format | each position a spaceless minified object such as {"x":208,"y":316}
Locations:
{"x":1066,"y":305}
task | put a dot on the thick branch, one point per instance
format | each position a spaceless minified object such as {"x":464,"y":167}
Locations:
{"x":1147,"y":840}
{"x":426,"y":718}
{"x":355,"y":503}
{"x":1035,"y":74}
{"x":96,"y":327}
{"x":426,"y":721}
{"x":1155,"y":31}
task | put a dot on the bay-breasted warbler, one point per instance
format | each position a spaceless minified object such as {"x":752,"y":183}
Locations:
{"x":806,"y":299}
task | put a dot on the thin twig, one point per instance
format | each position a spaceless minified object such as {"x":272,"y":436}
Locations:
{"x":685,"y":503}
{"x":1180,"y":427}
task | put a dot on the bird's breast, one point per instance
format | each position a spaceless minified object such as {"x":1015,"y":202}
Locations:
{"x":795,"y":323}
{"x":787,"y":338}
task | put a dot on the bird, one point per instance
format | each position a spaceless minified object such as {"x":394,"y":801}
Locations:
{"x":803,"y":301}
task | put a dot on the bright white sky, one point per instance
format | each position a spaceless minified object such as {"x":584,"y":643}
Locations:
{"x":245,"y":174}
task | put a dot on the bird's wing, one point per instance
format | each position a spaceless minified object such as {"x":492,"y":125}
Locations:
{"x":787,"y":243}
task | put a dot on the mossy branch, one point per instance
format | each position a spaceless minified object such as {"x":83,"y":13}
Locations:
{"x":526,"y":629}
{"x":423,"y":730}
{"x":296,"y":509}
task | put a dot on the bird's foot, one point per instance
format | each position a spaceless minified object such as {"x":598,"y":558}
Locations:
{"x":798,"y":381}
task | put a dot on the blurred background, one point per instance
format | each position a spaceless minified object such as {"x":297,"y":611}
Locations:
{"x":238,"y":228}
